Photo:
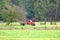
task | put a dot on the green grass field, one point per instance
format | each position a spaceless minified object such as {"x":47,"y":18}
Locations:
{"x":17,"y":25}
{"x":29,"y":34}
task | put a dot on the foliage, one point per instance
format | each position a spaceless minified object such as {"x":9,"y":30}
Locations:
{"x":34,"y":8}
{"x":12,"y":14}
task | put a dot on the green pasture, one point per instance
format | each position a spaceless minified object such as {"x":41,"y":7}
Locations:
{"x":17,"y":25}
{"x":29,"y":34}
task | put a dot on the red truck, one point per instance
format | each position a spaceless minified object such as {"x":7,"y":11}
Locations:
{"x":29,"y":22}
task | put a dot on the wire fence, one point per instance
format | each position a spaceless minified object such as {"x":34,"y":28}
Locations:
{"x":37,"y":26}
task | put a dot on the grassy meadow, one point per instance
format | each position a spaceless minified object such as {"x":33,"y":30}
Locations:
{"x":17,"y":25}
{"x":29,"y":34}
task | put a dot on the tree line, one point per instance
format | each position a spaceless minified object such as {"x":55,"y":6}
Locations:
{"x":21,"y":10}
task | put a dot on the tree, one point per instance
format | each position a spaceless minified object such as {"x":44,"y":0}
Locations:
{"x":9,"y":14}
{"x":13,"y":13}
{"x":35,"y":8}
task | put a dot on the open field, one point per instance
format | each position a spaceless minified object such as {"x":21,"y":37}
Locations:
{"x":30,"y":34}
{"x":29,"y":38}
{"x":38,"y":25}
